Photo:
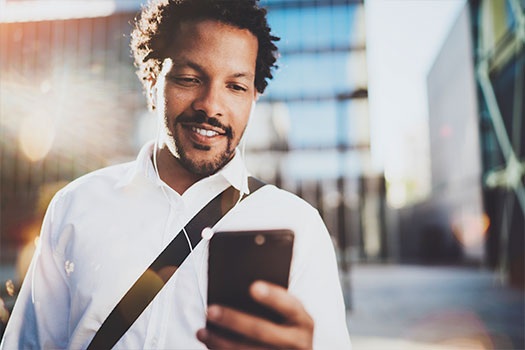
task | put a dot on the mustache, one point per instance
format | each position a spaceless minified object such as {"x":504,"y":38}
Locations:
{"x":202,"y":118}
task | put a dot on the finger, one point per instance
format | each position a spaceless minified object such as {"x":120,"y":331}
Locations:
{"x":213,"y":340}
{"x":260,"y":329}
{"x":278,"y":299}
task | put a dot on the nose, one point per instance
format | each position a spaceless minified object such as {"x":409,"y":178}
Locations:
{"x":209,"y":101}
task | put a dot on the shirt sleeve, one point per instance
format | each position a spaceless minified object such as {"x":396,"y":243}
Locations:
{"x":40,"y":315}
{"x":316,"y":283}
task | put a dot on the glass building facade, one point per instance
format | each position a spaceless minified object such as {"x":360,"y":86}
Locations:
{"x":499,"y":37}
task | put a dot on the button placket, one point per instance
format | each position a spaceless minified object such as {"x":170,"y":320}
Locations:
{"x":157,"y":314}
{"x":153,"y":323}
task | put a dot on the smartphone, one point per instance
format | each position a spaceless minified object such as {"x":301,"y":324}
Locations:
{"x":239,"y":258}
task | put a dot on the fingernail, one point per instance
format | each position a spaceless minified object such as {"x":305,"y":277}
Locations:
{"x":261,"y":289}
{"x":202,"y":334}
{"x":214,"y":312}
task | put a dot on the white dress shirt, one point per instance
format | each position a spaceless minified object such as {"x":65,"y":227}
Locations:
{"x":104,"y":229}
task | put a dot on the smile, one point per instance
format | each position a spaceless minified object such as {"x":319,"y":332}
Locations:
{"x":204,"y":135}
{"x":204,"y":132}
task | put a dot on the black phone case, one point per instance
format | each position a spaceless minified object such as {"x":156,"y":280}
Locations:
{"x":237,"y":259}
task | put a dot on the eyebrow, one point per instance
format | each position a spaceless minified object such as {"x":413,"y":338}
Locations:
{"x":190,"y":64}
{"x":199,"y":68}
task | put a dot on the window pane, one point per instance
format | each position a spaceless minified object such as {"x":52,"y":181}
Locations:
{"x":314,"y":27}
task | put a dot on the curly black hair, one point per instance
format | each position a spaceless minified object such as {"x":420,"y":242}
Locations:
{"x":159,"y":20}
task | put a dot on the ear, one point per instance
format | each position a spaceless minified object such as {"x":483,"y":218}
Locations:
{"x":253,"y":105}
{"x":151,"y":86}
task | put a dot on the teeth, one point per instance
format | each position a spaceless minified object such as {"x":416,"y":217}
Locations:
{"x":205,"y":132}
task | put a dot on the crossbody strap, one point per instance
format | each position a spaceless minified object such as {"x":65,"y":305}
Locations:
{"x":149,"y":284}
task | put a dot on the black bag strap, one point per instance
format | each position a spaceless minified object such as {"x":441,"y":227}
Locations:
{"x":149,"y":284}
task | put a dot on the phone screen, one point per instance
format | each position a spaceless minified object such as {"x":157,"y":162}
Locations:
{"x":237,"y":259}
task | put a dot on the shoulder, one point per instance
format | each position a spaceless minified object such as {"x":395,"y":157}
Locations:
{"x":273,"y":198}
{"x":97,"y":181}
{"x":94,"y":191}
{"x":91,"y":188}
{"x":108,"y":176}
{"x":273,"y":208}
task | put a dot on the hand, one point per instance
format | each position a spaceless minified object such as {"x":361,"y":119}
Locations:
{"x":295,"y":333}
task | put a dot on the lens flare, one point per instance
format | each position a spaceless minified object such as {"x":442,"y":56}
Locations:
{"x":470,"y":229}
{"x":4,"y":314}
{"x":467,"y":343}
{"x":459,"y":329}
{"x":446,"y":131}
{"x":36,"y":137}
{"x":10,"y":287}
{"x":23,"y":260}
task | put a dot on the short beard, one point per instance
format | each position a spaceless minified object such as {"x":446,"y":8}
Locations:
{"x":204,"y":169}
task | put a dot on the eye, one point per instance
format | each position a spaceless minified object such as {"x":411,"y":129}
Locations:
{"x":184,"y":80}
{"x":237,"y":87}
{"x":189,"y":80}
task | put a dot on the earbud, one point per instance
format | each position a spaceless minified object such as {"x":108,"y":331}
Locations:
{"x":153,"y":96}
{"x":207,"y":233}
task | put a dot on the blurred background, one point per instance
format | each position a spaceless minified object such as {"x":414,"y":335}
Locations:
{"x":401,"y":121}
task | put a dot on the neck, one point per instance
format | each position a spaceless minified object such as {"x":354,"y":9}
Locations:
{"x":173,"y":173}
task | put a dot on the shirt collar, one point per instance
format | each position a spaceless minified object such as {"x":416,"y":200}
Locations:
{"x":234,"y":172}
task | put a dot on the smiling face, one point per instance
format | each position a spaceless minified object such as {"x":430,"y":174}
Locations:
{"x":204,"y":94}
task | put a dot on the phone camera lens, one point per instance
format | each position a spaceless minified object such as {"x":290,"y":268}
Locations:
{"x":259,"y":239}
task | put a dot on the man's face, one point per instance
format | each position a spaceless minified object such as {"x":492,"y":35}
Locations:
{"x":205,"y":93}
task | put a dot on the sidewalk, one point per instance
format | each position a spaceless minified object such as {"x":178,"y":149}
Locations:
{"x":414,"y":307}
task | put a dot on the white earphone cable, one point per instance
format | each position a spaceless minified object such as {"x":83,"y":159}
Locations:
{"x":241,"y":195}
{"x":155,"y":167}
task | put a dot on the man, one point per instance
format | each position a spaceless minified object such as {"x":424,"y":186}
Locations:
{"x":203,"y":63}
